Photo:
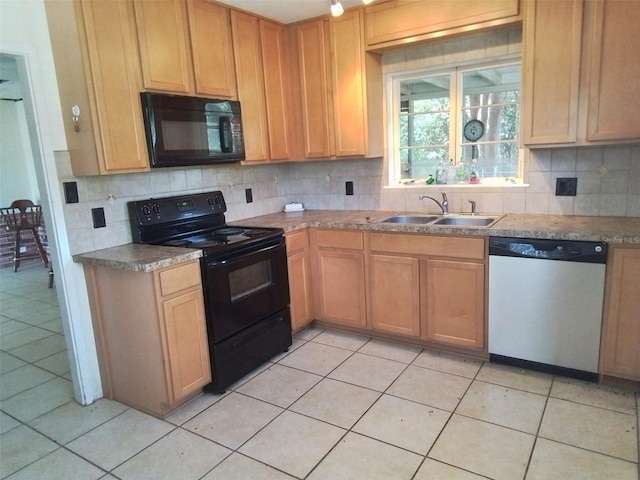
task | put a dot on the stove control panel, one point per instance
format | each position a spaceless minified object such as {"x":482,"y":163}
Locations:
{"x":157,"y":211}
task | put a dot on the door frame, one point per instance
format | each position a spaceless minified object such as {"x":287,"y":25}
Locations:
{"x":69,"y":276}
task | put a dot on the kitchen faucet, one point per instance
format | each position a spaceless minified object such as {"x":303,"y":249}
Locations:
{"x":444,"y":206}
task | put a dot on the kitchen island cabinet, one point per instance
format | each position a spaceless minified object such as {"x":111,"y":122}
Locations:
{"x":98,"y":72}
{"x":620,"y":351}
{"x":299,"y":266}
{"x":151,"y":334}
{"x":339,"y":276}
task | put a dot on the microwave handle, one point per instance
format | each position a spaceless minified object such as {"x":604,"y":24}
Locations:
{"x":224,"y":129}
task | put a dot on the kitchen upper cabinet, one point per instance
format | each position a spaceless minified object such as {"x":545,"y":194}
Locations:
{"x":620,"y":351}
{"x":165,"y":51}
{"x":403,"y":22}
{"x":98,"y":72}
{"x":185,"y":47}
{"x":339,"y":276}
{"x":154,"y":354}
{"x":341,"y":89}
{"x":299,"y":266}
{"x":580,"y":94}
{"x":261,"y":49}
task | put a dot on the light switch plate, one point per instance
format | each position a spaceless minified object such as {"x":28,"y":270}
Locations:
{"x":566,"y":186}
{"x":98,"y":217}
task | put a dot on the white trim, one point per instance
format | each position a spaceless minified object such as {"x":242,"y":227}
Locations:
{"x":69,"y":276}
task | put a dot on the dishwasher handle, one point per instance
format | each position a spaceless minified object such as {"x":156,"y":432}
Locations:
{"x":565,"y":250}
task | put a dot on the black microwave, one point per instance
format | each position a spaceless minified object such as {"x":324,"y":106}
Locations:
{"x":184,"y":131}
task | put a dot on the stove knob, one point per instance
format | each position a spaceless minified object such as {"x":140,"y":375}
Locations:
{"x":145,"y":210}
{"x":156,"y":209}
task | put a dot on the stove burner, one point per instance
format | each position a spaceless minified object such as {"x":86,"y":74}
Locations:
{"x":229,"y":231}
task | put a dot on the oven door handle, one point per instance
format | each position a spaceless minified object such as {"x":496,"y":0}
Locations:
{"x":241,"y":258}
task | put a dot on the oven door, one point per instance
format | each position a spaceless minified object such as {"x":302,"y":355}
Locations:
{"x":244,"y":288}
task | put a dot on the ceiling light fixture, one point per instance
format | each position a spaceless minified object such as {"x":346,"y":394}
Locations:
{"x":367,"y":2}
{"x":336,"y":8}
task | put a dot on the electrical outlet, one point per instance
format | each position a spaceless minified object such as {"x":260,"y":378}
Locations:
{"x":70,"y":192}
{"x":248,"y":194}
{"x":98,"y":217}
{"x":567,"y":186}
{"x":348,"y":188}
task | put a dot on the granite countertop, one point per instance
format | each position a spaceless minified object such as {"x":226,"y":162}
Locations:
{"x":139,"y":258}
{"x":613,"y":230}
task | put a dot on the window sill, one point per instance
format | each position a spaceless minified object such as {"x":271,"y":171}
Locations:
{"x":420,"y":184}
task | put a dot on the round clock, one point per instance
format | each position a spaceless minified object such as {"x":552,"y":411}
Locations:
{"x":473,"y":130}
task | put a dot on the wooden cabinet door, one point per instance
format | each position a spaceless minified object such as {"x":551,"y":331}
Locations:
{"x":340,"y":289}
{"x":453,"y":300}
{"x":394,"y":292}
{"x":212,"y":49}
{"x":313,"y":55}
{"x":187,"y":344}
{"x":276,"y":64}
{"x":551,"y":77}
{"x":163,"y":38}
{"x":251,"y":89}
{"x":620,"y":354}
{"x":614,"y":106}
{"x":300,"y":288}
{"x":113,"y":75}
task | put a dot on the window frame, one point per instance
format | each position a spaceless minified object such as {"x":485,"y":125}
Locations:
{"x":456,"y":95}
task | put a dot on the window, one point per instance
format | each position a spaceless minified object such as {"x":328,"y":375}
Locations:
{"x":429,"y":112}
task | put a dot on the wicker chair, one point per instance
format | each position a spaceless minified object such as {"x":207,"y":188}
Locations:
{"x":24,"y":215}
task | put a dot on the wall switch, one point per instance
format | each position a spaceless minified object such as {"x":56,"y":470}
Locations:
{"x":249,"y":194}
{"x":567,"y":186}
{"x":98,"y":217}
{"x":348,"y":188}
{"x":70,"y":192}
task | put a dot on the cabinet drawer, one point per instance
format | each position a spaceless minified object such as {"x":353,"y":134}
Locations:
{"x":297,"y":241}
{"x":180,"y":278}
{"x":432,"y":245}
{"x":345,"y":239}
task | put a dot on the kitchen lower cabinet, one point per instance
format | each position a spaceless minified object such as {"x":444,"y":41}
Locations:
{"x":151,"y":335}
{"x":620,"y":348}
{"x":299,"y":266}
{"x":99,"y":81}
{"x":339,"y":276}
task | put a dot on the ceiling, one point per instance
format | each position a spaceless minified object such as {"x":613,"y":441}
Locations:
{"x":288,"y":11}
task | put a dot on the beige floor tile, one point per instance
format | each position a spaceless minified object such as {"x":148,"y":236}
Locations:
{"x":390,"y":350}
{"x":59,"y":465}
{"x":297,"y":384}
{"x":238,"y":466}
{"x":41,"y":315}
{"x":39,"y":349}
{"x":316,"y":358}
{"x":180,"y":455}
{"x":528,"y":380}
{"x":359,"y":457}
{"x":593,"y":428}
{"x":233,"y":420}
{"x":594,"y":394}
{"x":57,"y":363}
{"x":309,"y":333}
{"x":295,"y":344}
{"x":403,"y":423}
{"x":22,"y":337}
{"x":71,"y":420}
{"x":7,"y":423}
{"x":483,"y":448}
{"x":20,"y":447}
{"x":54,"y":325}
{"x":448,"y":363}
{"x":434,"y":470}
{"x":21,"y":379}
{"x":437,"y":389}
{"x":40,"y":399}
{"x":335,"y":402}
{"x":557,"y":461}
{"x":336,"y":338}
{"x":9,"y":362}
{"x":367,"y":371}
{"x":504,"y":406}
{"x":194,"y":407}
{"x":293,"y":443}
{"x":11,"y":326}
{"x":119,"y":439}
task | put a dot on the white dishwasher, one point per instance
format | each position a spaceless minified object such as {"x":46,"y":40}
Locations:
{"x":545,"y":304}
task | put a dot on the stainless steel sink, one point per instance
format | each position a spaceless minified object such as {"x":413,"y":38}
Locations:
{"x":415,"y":219}
{"x":467,"y":220}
